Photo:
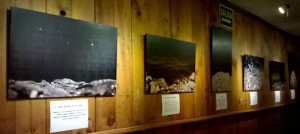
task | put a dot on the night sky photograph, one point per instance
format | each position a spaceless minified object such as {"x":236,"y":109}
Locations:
{"x":54,"y":56}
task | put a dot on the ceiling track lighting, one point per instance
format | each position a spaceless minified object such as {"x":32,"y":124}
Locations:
{"x":284,"y":9}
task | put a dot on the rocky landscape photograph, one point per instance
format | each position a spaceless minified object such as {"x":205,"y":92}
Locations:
{"x":52,"y":56}
{"x":169,"y":65}
{"x":221,"y":60}
{"x":292,"y":66}
{"x":276,"y":75}
{"x":253,"y":73}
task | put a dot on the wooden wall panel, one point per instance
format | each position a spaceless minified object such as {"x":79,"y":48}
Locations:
{"x":30,"y":115}
{"x":148,"y":17}
{"x":55,"y":6}
{"x":122,"y":20}
{"x":105,"y":106}
{"x":181,"y":29}
{"x":187,"y":20}
{"x":75,"y":9}
{"x":139,"y":19}
{"x":203,"y":98}
{"x":7,"y":112}
{"x":83,"y":10}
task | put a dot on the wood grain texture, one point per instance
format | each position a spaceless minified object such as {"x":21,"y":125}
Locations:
{"x":7,"y":112}
{"x":55,"y":6}
{"x":105,"y":106}
{"x":35,"y":5}
{"x":83,"y":10}
{"x":122,"y":20}
{"x":76,"y":10}
{"x":181,"y":29}
{"x":30,"y":114}
{"x":139,"y":19}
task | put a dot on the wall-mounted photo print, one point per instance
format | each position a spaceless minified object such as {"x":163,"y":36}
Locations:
{"x":169,"y":65}
{"x":221,"y":60}
{"x":276,"y":75}
{"x":53,"y":56}
{"x":253,"y":73}
{"x":292,"y":66}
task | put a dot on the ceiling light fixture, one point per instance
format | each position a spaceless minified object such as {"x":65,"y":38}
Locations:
{"x":281,"y":10}
{"x":284,"y":8}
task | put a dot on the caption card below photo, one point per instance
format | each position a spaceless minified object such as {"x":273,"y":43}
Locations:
{"x":253,"y":98}
{"x":221,"y":101}
{"x":68,"y":115}
{"x":170,"y":104}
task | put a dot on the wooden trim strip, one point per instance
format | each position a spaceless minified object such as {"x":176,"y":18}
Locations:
{"x":184,"y":121}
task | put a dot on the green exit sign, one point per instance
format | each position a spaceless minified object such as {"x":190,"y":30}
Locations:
{"x":226,"y":16}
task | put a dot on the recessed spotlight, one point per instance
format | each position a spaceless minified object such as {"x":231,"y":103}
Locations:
{"x":281,"y":10}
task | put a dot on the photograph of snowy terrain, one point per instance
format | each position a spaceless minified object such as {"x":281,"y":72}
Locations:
{"x":221,"y":60}
{"x":52,"y":56}
{"x":169,"y":65}
{"x":292,"y":66}
{"x":253,"y":73}
{"x":276,"y":75}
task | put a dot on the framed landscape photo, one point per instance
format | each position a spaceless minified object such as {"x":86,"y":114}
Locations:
{"x":221,"y":60}
{"x":253,"y":73}
{"x":52,"y":56}
{"x":169,"y":65}
{"x":292,"y":66}
{"x":277,"y":81}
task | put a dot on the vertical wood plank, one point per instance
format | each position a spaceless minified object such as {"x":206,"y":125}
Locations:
{"x":158,"y":23}
{"x":238,"y":96}
{"x":55,"y":6}
{"x":122,"y":20}
{"x":35,"y":5}
{"x":139,"y":18}
{"x":105,"y":106}
{"x":30,"y":114}
{"x":7,"y":112}
{"x":181,"y":26}
{"x":203,"y":102}
{"x":83,"y":10}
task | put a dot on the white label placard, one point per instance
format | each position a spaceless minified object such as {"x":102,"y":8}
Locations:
{"x":170,"y":104}
{"x":277,"y":96}
{"x":293,"y":95}
{"x":221,"y":101}
{"x":68,"y":115}
{"x":253,"y":98}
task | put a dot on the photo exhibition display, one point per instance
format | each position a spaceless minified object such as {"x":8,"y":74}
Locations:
{"x":53,"y":56}
{"x":292,"y":66}
{"x":276,"y":75}
{"x":221,"y":60}
{"x":169,"y":65}
{"x":253,"y":73}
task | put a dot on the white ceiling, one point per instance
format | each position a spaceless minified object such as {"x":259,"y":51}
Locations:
{"x":268,"y":11}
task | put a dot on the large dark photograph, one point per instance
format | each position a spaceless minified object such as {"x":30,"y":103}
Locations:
{"x":169,"y":65}
{"x":276,"y":75}
{"x":253,"y":73}
{"x":292,"y":66}
{"x":53,"y":56}
{"x":221,"y":60}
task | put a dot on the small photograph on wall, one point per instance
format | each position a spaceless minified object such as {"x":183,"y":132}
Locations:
{"x":169,"y":65}
{"x":52,"y":56}
{"x":292,"y":66}
{"x":253,"y":73}
{"x":221,"y":60}
{"x":276,"y":75}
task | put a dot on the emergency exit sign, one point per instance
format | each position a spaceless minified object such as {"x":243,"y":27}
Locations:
{"x":226,"y":16}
